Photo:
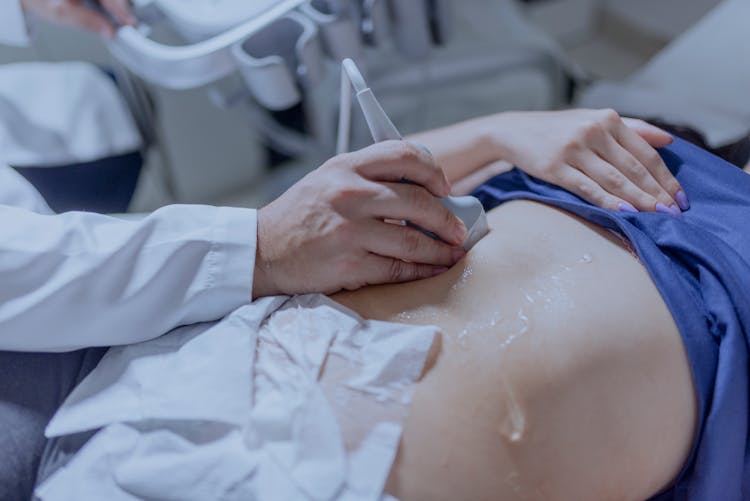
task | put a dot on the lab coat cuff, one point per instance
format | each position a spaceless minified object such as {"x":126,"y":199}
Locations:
{"x":13,"y":29}
{"x":233,"y":252}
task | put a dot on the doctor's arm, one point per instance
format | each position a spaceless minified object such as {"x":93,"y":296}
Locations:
{"x":606,"y":160}
{"x":78,"y":279}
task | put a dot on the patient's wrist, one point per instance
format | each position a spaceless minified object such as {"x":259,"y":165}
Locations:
{"x":492,"y":133}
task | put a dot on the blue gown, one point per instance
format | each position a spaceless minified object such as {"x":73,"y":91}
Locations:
{"x":700,"y":263}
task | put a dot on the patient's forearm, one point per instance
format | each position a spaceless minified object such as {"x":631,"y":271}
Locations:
{"x":465,"y":147}
{"x":592,"y":153}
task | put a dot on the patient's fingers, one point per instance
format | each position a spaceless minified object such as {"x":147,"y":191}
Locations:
{"x":410,"y":244}
{"x":582,"y":185}
{"x":78,"y":15}
{"x":652,"y":134}
{"x":637,"y":173}
{"x":120,"y":10}
{"x":613,"y":181}
{"x":632,"y":136}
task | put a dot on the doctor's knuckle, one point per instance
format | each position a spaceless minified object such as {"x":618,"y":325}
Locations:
{"x":418,"y":200}
{"x":448,"y":219}
{"x":410,"y":242}
{"x":408,"y":151}
{"x":350,"y":192}
{"x":343,"y":161}
{"x":401,"y":151}
{"x":396,"y":270}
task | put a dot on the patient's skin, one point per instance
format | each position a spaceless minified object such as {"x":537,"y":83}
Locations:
{"x":560,"y":373}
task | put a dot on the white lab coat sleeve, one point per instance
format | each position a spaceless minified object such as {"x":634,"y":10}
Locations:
{"x":79,"y":279}
{"x":13,"y":30}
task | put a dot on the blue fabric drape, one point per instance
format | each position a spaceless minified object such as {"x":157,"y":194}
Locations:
{"x":700,"y":264}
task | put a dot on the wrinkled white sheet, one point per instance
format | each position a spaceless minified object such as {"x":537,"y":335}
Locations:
{"x":245,"y":409}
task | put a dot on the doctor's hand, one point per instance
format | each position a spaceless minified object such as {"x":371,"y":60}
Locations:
{"x":81,"y":13}
{"x":604,"y":159}
{"x":331,"y":230}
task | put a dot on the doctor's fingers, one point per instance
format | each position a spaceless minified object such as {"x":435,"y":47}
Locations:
{"x":635,"y":171}
{"x":120,"y":10}
{"x":409,"y":244}
{"x":71,"y":13}
{"x":403,"y":201}
{"x":384,"y":270}
{"x":401,"y":161}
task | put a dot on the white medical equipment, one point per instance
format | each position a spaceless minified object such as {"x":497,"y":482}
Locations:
{"x":468,"y":209}
{"x":432,"y":62}
{"x":280,"y":56}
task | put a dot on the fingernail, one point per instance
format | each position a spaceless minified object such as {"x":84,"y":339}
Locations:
{"x":626,"y":207}
{"x":672,"y":210}
{"x":682,"y":200}
{"x":457,"y":254}
{"x":663,"y":209}
{"x":438,"y":270}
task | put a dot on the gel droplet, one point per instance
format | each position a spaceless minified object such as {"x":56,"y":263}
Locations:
{"x":585,"y":259}
{"x":514,"y":424}
{"x":465,"y":276}
{"x":519,"y":327}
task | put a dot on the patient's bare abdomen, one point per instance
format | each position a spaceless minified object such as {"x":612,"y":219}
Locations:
{"x":561,"y":374}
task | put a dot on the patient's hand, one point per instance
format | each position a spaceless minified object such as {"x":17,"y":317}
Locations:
{"x":606,"y":160}
{"x":328,"y":231}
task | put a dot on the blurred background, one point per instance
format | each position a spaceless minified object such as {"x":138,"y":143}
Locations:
{"x":242,"y":139}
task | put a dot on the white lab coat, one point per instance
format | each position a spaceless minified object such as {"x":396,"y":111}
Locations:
{"x":73,"y":280}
